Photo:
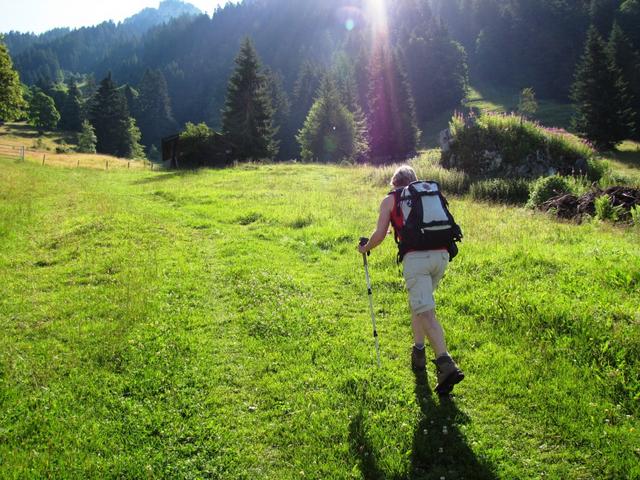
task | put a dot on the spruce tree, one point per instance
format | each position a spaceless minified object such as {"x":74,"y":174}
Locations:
{"x":42,"y":111}
{"x":437,"y":70}
{"x":11,"y":101}
{"x":247,"y":118}
{"x":131,"y":95}
{"x":110,"y":118}
{"x":281,"y":113}
{"x":87,"y":138}
{"x":305,"y":92}
{"x":153,"y":112}
{"x":329,"y":133}
{"x":71,"y":114}
{"x":344,"y":75}
{"x":600,"y":93}
{"x":393,"y":130}
{"x":136,"y":150}
{"x":627,"y":59}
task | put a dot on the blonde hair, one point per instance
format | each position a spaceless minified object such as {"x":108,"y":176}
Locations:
{"x":403,"y":176}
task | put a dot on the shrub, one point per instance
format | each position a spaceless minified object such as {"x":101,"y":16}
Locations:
{"x":64,"y":149}
{"x":39,"y":144}
{"x":613,"y":179}
{"x":514,"y":191}
{"x":635,"y":215}
{"x":597,"y":169}
{"x":507,"y":146}
{"x":547,"y":187}
{"x":605,"y":209}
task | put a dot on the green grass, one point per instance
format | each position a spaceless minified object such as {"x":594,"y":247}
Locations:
{"x":625,"y":161}
{"x":215,"y":325}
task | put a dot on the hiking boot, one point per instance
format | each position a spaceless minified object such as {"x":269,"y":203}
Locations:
{"x":418,"y":359}
{"x":448,"y":374}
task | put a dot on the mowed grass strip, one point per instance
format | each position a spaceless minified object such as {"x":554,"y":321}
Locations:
{"x":215,"y":324}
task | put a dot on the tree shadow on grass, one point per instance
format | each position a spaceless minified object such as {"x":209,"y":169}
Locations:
{"x":631,"y":158}
{"x":437,"y":452}
{"x":165,"y":176}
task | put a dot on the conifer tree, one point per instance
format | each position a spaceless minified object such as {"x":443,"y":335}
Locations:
{"x":71,"y":114}
{"x":87,"y":138}
{"x":11,"y":101}
{"x":42,"y":111}
{"x":627,"y":59}
{"x":600,"y":93}
{"x":247,"y":118}
{"x":393,"y":132}
{"x":110,"y":118}
{"x":329,"y":133}
{"x":153,"y":112}
{"x":437,"y":70}
{"x":136,"y":151}
{"x":344,"y":75}
{"x":131,"y":95}
{"x":281,"y":113}
{"x":304,"y":96}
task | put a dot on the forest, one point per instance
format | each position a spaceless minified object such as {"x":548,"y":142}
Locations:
{"x":436,"y":48}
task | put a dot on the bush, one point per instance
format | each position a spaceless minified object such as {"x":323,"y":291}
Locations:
{"x":513,"y":191}
{"x":64,"y":149}
{"x":605,"y":209}
{"x":547,"y":187}
{"x":38,"y":144}
{"x":507,"y":146}
{"x":635,"y":215}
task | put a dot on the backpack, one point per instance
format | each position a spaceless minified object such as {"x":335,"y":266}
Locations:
{"x":425,"y":220}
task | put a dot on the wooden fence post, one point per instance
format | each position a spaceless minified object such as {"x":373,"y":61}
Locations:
{"x":78,"y":165}
{"x":107,"y":164}
{"x":128,"y":165}
{"x":44,"y":156}
{"x":22,"y":153}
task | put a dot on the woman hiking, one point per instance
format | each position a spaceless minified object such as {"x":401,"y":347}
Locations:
{"x":424,"y":263}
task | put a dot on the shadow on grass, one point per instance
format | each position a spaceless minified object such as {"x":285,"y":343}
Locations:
{"x":29,"y":132}
{"x":631,"y":158}
{"x":435,"y":454}
{"x":161,"y":177}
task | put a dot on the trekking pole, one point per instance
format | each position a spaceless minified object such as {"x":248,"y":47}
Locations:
{"x":363,"y":241}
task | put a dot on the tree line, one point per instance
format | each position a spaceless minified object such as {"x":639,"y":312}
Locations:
{"x":327,"y":71}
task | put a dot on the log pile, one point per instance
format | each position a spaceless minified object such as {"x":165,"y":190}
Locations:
{"x":570,"y":206}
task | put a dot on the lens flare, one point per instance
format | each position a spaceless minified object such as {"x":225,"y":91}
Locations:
{"x":350,"y":24}
{"x":378,"y":13}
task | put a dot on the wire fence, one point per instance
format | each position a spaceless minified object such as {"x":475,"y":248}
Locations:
{"x":94,"y":161}
{"x":13,"y":151}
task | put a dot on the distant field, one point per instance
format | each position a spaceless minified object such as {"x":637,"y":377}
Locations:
{"x":42,"y":147}
{"x":215,"y":324}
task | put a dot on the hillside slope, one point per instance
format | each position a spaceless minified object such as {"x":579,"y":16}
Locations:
{"x":215,"y":324}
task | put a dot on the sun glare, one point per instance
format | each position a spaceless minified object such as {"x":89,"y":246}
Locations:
{"x":378,"y":12}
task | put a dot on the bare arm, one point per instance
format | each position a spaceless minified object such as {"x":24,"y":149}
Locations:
{"x":380,"y":233}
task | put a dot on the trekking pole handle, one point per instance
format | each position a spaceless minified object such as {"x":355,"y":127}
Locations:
{"x":363,"y":242}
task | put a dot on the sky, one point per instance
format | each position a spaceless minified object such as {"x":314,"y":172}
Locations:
{"x":41,"y":15}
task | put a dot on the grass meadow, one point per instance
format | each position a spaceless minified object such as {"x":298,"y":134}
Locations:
{"x":215,"y":324}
